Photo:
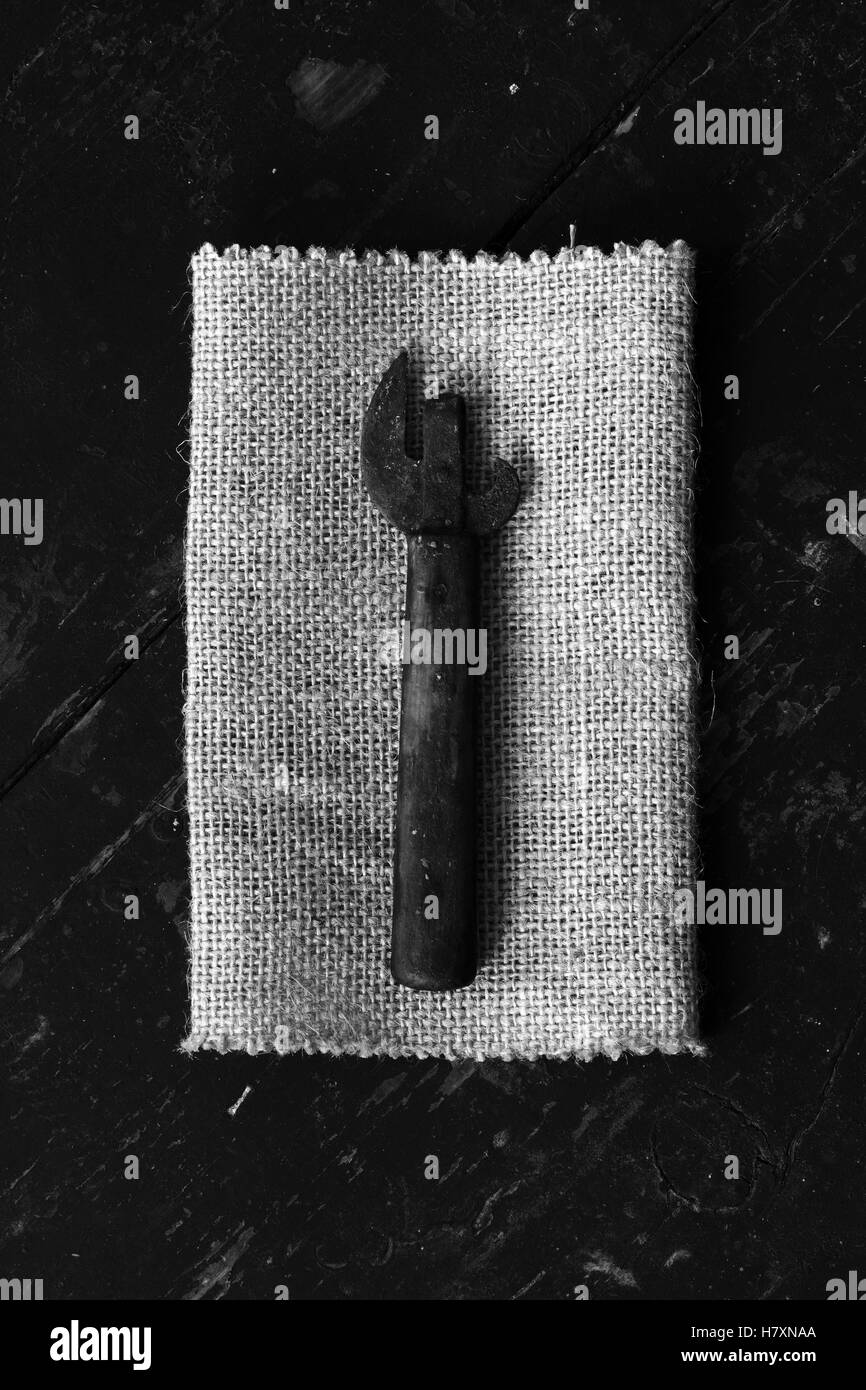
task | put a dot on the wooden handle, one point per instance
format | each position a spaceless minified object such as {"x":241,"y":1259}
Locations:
{"x":433,"y":943}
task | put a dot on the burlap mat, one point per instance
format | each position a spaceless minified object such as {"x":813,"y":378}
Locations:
{"x":576,"y":369}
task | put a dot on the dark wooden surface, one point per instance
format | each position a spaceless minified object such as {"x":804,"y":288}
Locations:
{"x":552,"y":1175}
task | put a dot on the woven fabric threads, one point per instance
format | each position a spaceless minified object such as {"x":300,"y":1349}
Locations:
{"x":576,"y":369}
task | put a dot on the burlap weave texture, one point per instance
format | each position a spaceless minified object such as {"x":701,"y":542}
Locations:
{"x":575,"y":368}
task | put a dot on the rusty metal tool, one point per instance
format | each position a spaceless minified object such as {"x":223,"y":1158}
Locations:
{"x":433,"y":940}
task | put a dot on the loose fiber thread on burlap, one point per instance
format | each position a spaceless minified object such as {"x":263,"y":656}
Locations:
{"x":575,"y":368}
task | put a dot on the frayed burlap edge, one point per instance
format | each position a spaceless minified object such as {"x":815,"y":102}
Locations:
{"x":609,"y":1048}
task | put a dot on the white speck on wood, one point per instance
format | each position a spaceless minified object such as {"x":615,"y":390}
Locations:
{"x":233,"y":1109}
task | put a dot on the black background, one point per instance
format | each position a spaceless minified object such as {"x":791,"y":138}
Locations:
{"x":552,"y":1174}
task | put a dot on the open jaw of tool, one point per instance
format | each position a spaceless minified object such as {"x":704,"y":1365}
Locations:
{"x":428,"y":494}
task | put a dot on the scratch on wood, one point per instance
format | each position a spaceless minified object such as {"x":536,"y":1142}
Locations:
{"x":219,"y":1271}
{"x":603,"y":1264}
{"x":531,"y":1285}
{"x":327,"y":93}
{"x":96,"y":865}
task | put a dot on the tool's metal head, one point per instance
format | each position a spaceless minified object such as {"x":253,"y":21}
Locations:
{"x":427,"y":494}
